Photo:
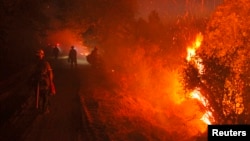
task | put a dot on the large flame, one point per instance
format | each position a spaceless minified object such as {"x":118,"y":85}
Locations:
{"x":197,"y":62}
{"x":191,"y":50}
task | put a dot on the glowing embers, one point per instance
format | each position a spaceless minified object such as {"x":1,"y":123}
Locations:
{"x":233,"y":100}
{"x":197,"y":62}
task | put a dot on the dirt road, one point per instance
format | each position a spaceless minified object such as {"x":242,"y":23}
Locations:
{"x":66,"y":120}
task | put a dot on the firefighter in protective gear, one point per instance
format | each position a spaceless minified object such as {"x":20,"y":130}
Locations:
{"x":43,"y":82}
{"x":72,"y":57}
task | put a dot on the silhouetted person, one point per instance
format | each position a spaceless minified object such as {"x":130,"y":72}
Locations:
{"x":42,"y":80}
{"x":72,"y":57}
{"x":56,"y":52}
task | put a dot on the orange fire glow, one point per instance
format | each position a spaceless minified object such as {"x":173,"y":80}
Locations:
{"x":208,"y":115}
{"x":192,"y":49}
{"x":193,"y":58}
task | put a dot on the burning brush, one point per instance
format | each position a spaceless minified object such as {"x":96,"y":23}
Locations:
{"x":196,"y":61}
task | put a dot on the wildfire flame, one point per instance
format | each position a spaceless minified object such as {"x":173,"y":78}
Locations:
{"x":193,"y":58}
{"x":191,"y":50}
{"x":197,"y":95}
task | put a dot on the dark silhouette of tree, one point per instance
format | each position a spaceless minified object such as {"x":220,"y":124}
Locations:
{"x":22,"y":24}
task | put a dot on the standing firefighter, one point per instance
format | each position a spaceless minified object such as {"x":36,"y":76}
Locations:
{"x":72,"y":57}
{"x":55,"y":52}
{"x":43,"y":82}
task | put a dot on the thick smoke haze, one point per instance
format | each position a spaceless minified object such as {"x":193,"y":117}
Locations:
{"x":142,"y":56}
{"x":143,"y":45}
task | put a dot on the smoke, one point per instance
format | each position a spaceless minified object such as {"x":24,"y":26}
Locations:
{"x":142,"y":56}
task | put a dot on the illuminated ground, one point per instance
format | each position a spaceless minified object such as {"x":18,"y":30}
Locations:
{"x":101,"y":113}
{"x":64,"y":121}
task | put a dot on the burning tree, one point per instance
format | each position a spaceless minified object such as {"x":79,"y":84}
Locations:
{"x":224,"y":58}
